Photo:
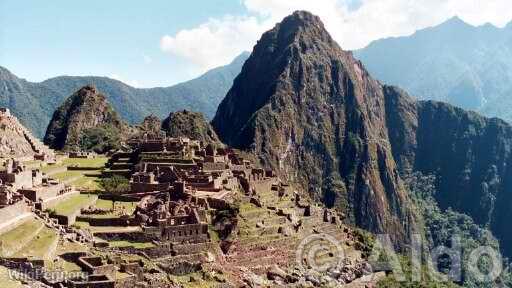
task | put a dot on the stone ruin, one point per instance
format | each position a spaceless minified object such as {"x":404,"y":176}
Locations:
{"x":82,"y":155}
{"x":8,"y":195}
{"x":172,"y":221}
{"x":168,"y":164}
{"x":16,"y":141}
{"x":18,"y":176}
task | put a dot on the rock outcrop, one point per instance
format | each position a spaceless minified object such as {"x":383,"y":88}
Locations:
{"x":310,"y":110}
{"x":151,"y":125}
{"x":189,"y":124}
{"x":86,"y":121}
{"x":16,"y":141}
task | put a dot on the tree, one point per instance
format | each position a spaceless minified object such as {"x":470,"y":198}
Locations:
{"x":115,"y":185}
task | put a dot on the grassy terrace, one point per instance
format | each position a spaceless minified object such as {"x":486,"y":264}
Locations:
{"x":98,"y":162}
{"x":11,"y":240}
{"x":103,"y":229}
{"x":87,"y":179}
{"x":128,"y":207}
{"x":31,"y":238}
{"x":73,"y":204}
{"x":6,"y":279}
{"x":39,"y":246}
{"x":138,"y":245}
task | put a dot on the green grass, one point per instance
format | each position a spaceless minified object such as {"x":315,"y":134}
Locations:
{"x":34,"y":164}
{"x":48,"y":168}
{"x":14,"y":237}
{"x":82,"y":225}
{"x":105,"y":229}
{"x":84,"y":179}
{"x":98,"y":162}
{"x":88,"y":179}
{"x":38,"y":247}
{"x":129,"y":207}
{"x":6,"y":279}
{"x":213,"y":234}
{"x":137,"y":245}
{"x":68,"y":246}
{"x":89,"y":183}
{"x":63,"y":176}
{"x":73,"y":204}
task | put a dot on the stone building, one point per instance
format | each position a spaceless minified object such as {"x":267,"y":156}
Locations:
{"x":16,"y":175}
{"x":172,"y":221}
{"x":8,"y":196}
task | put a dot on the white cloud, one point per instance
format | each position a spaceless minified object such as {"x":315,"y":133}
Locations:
{"x":352,"y":24}
{"x":215,"y":42}
{"x":132,"y":83}
{"x":147,"y":59}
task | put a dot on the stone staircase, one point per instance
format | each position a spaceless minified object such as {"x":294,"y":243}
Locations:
{"x":37,"y":146}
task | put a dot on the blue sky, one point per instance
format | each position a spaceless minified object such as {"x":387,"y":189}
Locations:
{"x":42,"y":39}
{"x":160,"y":43}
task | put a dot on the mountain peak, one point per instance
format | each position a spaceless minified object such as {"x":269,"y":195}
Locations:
{"x":301,"y":26}
{"x":88,"y":93}
{"x":299,"y":86}
{"x":304,"y":17}
{"x":5,"y":74}
{"x":85,"y":113}
{"x":88,"y":89}
{"x":455,"y":21}
{"x":189,"y":124}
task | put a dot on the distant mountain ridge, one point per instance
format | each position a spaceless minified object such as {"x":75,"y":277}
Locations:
{"x":34,"y":103}
{"x":454,"y":62}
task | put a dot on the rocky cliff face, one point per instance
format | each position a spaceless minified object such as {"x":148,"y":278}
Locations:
{"x":16,"y":141}
{"x":308,"y":108}
{"x":151,"y":125}
{"x":84,"y":121}
{"x":189,"y":124}
{"x":470,"y":155}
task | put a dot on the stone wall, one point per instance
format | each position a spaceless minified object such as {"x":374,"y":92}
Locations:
{"x":70,"y":219}
{"x":182,"y":268}
{"x":186,"y":233}
{"x":43,"y":193}
{"x":93,"y":221}
{"x":95,"y":265}
{"x":56,"y":200}
{"x":10,"y":212}
{"x":129,"y":236}
{"x":18,"y":180}
{"x":119,"y":198}
{"x":193,"y":248}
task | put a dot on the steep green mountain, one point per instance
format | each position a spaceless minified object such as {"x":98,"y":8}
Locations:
{"x":189,"y":124}
{"x":34,"y":103}
{"x":467,"y":66}
{"x":309,"y":109}
{"x":86,"y":121}
{"x":471,"y":156}
{"x":151,"y":125}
